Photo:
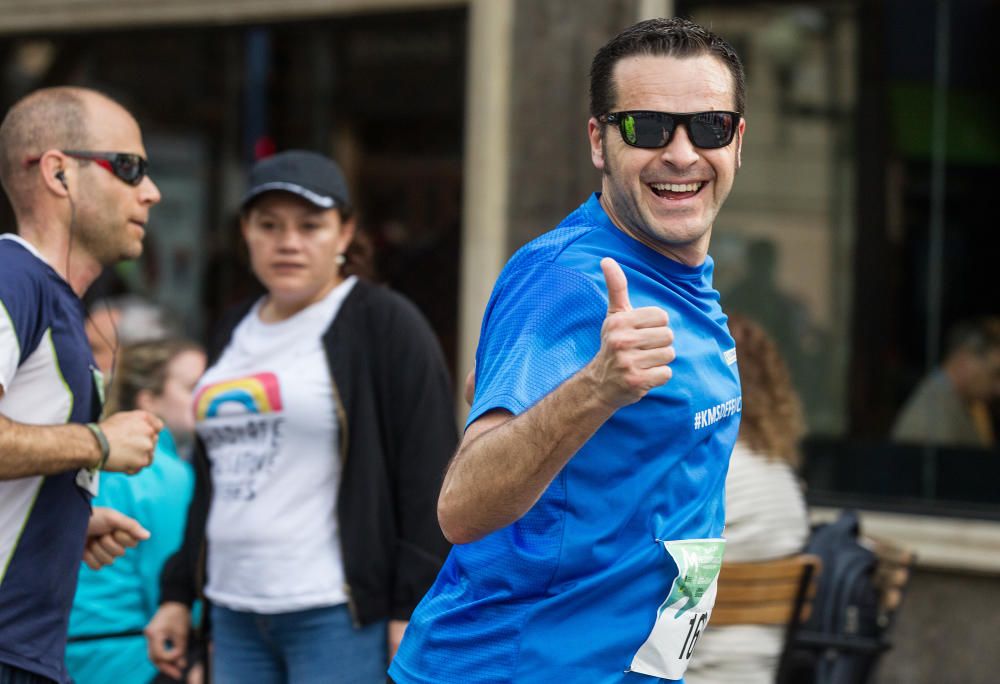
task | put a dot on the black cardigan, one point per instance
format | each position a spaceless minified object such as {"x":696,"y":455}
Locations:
{"x":398,"y":431}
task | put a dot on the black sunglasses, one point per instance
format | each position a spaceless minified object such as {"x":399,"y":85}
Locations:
{"x":127,"y":167}
{"x":649,"y":130}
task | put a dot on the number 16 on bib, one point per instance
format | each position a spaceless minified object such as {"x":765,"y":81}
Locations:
{"x":684,"y":615}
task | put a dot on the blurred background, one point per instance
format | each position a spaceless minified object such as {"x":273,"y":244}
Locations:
{"x":861,"y":228}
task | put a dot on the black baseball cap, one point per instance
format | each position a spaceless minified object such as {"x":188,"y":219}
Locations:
{"x":310,"y":175}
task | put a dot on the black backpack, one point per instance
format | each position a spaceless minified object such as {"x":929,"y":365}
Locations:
{"x":843,"y":637}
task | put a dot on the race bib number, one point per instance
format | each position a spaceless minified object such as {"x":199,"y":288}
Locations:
{"x":89,"y":480}
{"x":683,"y":616}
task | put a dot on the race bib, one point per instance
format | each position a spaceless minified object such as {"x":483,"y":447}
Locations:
{"x":89,"y":480}
{"x":683,"y":616}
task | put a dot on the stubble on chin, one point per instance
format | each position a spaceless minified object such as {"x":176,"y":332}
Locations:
{"x":128,"y":249}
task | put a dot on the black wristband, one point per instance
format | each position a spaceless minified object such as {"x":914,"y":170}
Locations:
{"x":102,"y":441}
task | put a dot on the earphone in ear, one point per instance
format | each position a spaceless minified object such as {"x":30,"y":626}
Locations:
{"x":61,"y":177}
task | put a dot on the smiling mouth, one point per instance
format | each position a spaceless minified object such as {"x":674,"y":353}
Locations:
{"x":676,"y":191}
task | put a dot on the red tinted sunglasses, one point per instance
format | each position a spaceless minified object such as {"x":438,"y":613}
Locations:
{"x":127,"y":167}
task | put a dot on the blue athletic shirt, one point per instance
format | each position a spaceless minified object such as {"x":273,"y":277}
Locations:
{"x":48,"y":376}
{"x":571,"y":591}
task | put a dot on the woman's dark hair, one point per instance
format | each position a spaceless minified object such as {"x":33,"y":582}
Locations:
{"x":661,"y":38}
{"x":360,"y":255}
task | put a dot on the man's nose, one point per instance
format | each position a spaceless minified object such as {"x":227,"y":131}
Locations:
{"x":148,"y":192}
{"x":680,"y":152}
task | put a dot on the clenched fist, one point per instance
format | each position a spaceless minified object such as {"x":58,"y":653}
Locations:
{"x":109,"y":533}
{"x":167,"y":638}
{"x":132,"y":436}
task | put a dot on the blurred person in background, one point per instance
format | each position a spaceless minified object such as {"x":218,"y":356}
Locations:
{"x":324,"y":423}
{"x":951,"y":406}
{"x":114,"y":322}
{"x":112,"y":606}
{"x":766,"y":514}
{"x":73,"y":165}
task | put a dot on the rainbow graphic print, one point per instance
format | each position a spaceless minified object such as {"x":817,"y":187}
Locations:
{"x":254,"y":394}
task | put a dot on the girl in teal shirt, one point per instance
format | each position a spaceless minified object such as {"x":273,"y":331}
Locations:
{"x":113,"y":605}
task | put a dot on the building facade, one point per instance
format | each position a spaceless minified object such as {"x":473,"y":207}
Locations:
{"x":860,"y":228}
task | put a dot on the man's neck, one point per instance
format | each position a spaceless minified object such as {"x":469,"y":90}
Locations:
{"x":76,"y":267}
{"x":693,"y":254}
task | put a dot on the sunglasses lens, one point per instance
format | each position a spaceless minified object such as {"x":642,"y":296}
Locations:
{"x":646,"y":129}
{"x":712,"y":129}
{"x":130,"y":168}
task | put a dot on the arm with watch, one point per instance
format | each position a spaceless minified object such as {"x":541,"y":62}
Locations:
{"x":30,"y":450}
{"x":123,"y":443}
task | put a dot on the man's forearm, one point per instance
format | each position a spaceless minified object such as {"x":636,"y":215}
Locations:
{"x":28,"y":450}
{"x":504,"y":464}
{"x":500,"y":472}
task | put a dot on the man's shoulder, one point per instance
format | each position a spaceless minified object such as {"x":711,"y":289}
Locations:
{"x":936,"y":390}
{"x":571,"y":234}
{"x":25,"y":281}
{"x":931,"y":412}
{"x":21,"y":265}
{"x":555,"y":281}
{"x":17,"y":260}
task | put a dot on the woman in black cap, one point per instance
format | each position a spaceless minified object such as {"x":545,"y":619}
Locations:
{"x":325,"y":422}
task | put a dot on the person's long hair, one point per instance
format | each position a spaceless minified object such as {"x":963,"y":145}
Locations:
{"x":143,"y":366}
{"x":771,"y":421}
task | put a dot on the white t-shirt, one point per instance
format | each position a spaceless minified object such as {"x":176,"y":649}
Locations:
{"x":266,"y":412}
{"x":766,"y":518}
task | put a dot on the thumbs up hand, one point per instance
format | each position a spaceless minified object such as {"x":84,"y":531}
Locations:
{"x":636,"y":344}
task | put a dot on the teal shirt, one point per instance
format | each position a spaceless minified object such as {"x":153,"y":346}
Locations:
{"x":125,"y":595}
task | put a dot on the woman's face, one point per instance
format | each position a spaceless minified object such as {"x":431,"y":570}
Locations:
{"x":294,"y":246}
{"x":175,"y":404}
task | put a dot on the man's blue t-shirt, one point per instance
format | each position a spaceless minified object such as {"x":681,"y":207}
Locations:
{"x":571,"y":591}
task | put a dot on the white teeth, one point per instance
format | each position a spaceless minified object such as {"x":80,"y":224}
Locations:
{"x":675,"y":187}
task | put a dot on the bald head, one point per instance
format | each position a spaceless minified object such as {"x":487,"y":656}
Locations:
{"x":50,"y":118}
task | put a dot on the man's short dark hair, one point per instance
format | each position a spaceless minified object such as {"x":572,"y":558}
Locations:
{"x":661,"y":38}
{"x":978,"y":336}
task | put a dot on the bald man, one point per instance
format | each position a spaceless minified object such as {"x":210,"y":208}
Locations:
{"x":73,"y":166}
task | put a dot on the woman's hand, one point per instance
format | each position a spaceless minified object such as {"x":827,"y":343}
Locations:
{"x":167,"y":638}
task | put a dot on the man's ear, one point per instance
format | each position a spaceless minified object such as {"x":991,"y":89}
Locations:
{"x":595,"y":131}
{"x":739,"y":141}
{"x":53,"y":169}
